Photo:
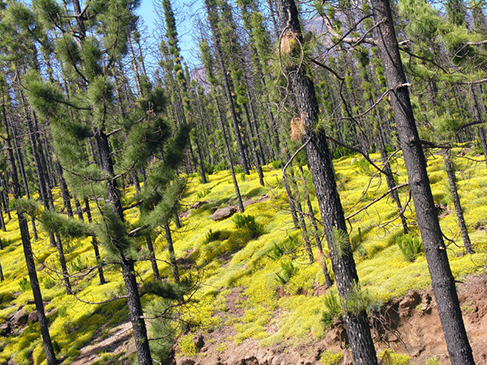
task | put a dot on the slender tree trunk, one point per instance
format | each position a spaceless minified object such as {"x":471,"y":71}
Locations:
{"x":29,"y":257}
{"x":62,"y":261}
{"x":253,"y":146}
{"x":456,"y":200}
{"x":212,"y":16}
{"x":229,"y":156}
{"x":64,"y":190}
{"x":478,"y":119}
{"x":172,"y":256}
{"x":321,"y":165}
{"x":25,"y":183}
{"x":5,"y":198}
{"x":435,"y":251}
{"x":386,"y":167}
{"x":94,"y":242}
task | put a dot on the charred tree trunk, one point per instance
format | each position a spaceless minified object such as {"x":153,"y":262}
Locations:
{"x":321,"y":165}
{"x":94,"y":242}
{"x":172,"y":256}
{"x":456,"y":200}
{"x":435,"y":251}
{"x":229,"y":156}
{"x":29,"y":257}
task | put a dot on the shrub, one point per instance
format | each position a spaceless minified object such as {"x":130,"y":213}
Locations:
{"x":288,"y":271}
{"x":359,"y":300}
{"x":276,"y":164}
{"x":238,"y":169}
{"x":388,"y":357}
{"x":331,"y":358}
{"x":203,"y":193}
{"x":209,"y":168}
{"x":24,"y":284}
{"x":248,"y":221}
{"x":410,"y":246}
{"x":187,"y":345}
{"x":285,"y":248}
{"x":216,"y":236}
{"x":332,"y":309}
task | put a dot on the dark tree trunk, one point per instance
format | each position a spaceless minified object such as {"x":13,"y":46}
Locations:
{"x":29,"y":257}
{"x":319,"y":157}
{"x":25,"y":183}
{"x":5,"y":198}
{"x":435,"y":251}
{"x":94,"y":242}
{"x":456,"y":200}
{"x":253,"y":146}
{"x":386,"y":167}
{"x":135,"y":310}
{"x":229,"y":156}
{"x":172,"y":256}
{"x":478,"y":119}
{"x":213,"y":18}
{"x":64,"y":190}
{"x":62,"y":261}
{"x":79,"y":211}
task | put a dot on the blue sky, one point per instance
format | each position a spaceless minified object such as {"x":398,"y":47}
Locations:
{"x":185,"y":20}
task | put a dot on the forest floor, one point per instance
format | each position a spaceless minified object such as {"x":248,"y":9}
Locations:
{"x":406,"y":326}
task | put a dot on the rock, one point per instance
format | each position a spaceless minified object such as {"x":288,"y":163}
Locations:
{"x":20,"y":318}
{"x":33,"y":317}
{"x":224,"y":213}
{"x":5,"y":329}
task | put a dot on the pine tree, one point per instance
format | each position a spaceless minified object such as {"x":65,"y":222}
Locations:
{"x":441,"y":276}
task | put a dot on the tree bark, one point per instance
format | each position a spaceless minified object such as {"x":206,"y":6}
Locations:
{"x":435,"y":251}
{"x":319,"y":157}
{"x":29,"y":257}
{"x":456,"y":200}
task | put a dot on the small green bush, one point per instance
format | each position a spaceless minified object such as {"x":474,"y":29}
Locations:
{"x":411,"y":246}
{"x":332,"y":309}
{"x":24,"y":284}
{"x":248,"y":221}
{"x":217,"y":236}
{"x":276,"y":164}
{"x":238,"y":169}
{"x":288,"y":247}
{"x":203,"y":193}
{"x":288,"y":271}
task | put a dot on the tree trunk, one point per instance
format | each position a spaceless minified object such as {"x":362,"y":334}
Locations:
{"x":212,"y":17}
{"x":135,"y":310}
{"x":64,"y":190}
{"x":29,"y":257}
{"x":94,"y":242}
{"x":229,"y":156}
{"x":172,"y":256}
{"x":20,"y":159}
{"x":435,"y":251}
{"x":62,"y":261}
{"x":319,"y":157}
{"x":456,"y":200}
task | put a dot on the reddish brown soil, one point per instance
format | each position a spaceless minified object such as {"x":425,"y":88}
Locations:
{"x":407,"y":325}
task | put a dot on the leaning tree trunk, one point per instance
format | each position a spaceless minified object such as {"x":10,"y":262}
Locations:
{"x":29,"y":257}
{"x":435,"y":251}
{"x":320,"y":162}
{"x":478,"y":119}
{"x":456,"y":200}
{"x":229,"y":156}
{"x":212,"y":17}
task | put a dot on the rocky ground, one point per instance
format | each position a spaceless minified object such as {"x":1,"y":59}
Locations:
{"x":407,"y":325}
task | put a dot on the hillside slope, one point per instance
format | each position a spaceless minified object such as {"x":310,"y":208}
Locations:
{"x":254,"y":292}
